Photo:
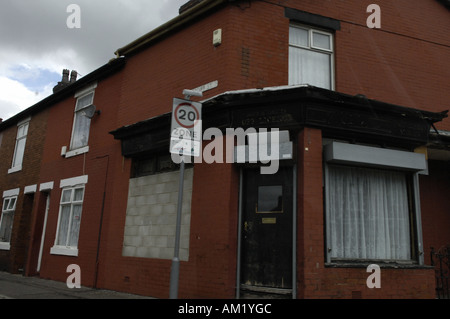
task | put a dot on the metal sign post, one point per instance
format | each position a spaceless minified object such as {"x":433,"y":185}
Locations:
{"x":175,"y":271}
{"x":185,"y":139}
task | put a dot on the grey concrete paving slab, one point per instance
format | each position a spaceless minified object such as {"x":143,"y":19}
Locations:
{"x":20,"y":287}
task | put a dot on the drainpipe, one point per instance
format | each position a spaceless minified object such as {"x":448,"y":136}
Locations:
{"x":101,"y":222}
{"x":238,"y":270}
{"x":294,"y":233}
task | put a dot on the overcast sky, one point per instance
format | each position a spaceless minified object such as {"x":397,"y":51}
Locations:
{"x":36,"y":44}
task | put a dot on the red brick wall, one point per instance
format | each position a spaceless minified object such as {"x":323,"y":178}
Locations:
{"x":435,"y":202}
{"x":378,"y":63}
{"x":310,"y":227}
{"x":14,"y":259}
{"x":393,"y":64}
{"x":96,"y":164}
{"x":211,"y":269}
{"x":315,"y":279}
{"x":401,"y":63}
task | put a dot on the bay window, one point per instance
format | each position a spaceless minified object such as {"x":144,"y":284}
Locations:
{"x":372,"y":204}
{"x":369,"y":214}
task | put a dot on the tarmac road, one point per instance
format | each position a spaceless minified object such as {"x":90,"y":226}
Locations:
{"x":20,"y":287}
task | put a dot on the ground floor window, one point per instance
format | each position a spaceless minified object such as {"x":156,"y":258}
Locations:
{"x":372,"y":203}
{"x":369,"y":213}
{"x":70,"y":217}
{"x":7,"y":218}
{"x":153,"y":164}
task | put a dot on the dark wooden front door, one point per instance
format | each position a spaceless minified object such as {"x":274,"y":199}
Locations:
{"x":266,"y":259}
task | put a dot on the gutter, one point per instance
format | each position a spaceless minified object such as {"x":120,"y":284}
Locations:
{"x":186,"y":17}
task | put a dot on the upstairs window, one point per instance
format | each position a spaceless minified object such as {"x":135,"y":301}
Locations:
{"x":311,"y":59}
{"x":81,"y":123}
{"x":19,"y":150}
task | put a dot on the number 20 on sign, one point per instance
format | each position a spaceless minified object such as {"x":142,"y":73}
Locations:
{"x":186,"y":130}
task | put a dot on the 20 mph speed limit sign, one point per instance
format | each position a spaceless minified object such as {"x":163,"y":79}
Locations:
{"x":186,"y":129}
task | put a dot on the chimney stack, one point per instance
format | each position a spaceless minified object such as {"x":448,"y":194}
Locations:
{"x":65,"y":80}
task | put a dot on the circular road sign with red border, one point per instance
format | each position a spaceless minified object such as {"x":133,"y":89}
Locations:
{"x":187,"y":115}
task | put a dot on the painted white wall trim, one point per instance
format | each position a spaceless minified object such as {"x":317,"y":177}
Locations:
{"x":65,"y":251}
{"x":30,"y":189}
{"x":80,"y":180}
{"x":46,"y":186}
{"x":11,"y":192}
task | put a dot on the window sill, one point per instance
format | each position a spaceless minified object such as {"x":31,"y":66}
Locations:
{"x":5,"y":246}
{"x":64,"y":251}
{"x":382,"y":263}
{"x":78,"y":151}
{"x":15,"y":169}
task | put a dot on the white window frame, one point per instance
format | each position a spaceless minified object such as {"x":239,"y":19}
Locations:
{"x":374,"y":157}
{"x":69,"y":184}
{"x":8,"y":196}
{"x":313,"y":48}
{"x":73,"y":151}
{"x":16,"y":167}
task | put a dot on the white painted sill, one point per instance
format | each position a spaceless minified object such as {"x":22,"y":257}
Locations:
{"x":5,"y":246}
{"x":64,"y":251}
{"x":78,"y":151}
{"x":15,"y":169}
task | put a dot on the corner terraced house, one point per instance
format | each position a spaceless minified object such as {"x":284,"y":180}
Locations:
{"x":364,"y":174}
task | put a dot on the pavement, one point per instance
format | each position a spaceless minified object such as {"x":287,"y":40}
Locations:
{"x":20,"y":287}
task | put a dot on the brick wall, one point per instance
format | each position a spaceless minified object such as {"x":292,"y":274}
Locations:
{"x":210,"y":269}
{"x":317,"y":280}
{"x":401,"y":63}
{"x":254,"y":53}
{"x":14,"y":259}
{"x":103,"y":154}
{"x":435,"y":202}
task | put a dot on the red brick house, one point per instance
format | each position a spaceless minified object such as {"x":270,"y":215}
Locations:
{"x":363,"y":179}
{"x":21,"y":145}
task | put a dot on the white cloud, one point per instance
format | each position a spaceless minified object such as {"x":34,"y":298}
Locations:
{"x":35,"y":38}
{"x":16,"y":97}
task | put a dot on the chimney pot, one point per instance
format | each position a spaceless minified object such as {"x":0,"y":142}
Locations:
{"x":73,"y":76}
{"x":65,"y":80}
{"x":65,"y":77}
